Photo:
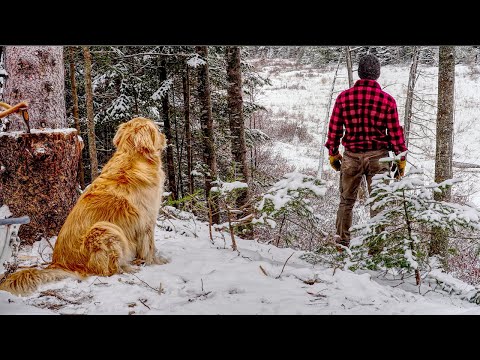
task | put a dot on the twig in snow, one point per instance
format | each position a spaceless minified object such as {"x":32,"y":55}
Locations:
{"x":31,"y":266}
{"x":202,"y":285}
{"x":156,"y":290}
{"x":284,"y":266}
{"x":168,"y":214}
{"x":49,"y":243}
{"x":60,"y":297}
{"x":263,"y":270}
{"x":143,"y":301}
{"x":99,"y":282}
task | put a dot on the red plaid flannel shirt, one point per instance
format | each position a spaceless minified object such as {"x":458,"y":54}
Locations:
{"x":369,"y":116}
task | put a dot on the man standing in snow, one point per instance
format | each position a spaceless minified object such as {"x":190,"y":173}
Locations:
{"x":369,"y":117}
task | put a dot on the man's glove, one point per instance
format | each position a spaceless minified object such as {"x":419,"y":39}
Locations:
{"x":398,"y":168}
{"x":335,"y":161}
{"x":401,"y":167}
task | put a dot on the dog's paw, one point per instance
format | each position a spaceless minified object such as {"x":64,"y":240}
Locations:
{"x":160,"y":260}
{"x":128,"y":269}
{"x":139,"y":262}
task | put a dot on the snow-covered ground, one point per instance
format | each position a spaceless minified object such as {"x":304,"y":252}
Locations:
{"x":209,"y":278}
{"x":300,"y":95}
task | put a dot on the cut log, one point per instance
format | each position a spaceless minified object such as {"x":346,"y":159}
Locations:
{"x":38,"y":178}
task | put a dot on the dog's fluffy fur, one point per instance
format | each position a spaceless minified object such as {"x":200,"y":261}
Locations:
{"x":113,"y":221}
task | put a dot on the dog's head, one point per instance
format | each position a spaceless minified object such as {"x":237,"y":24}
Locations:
{"x":140,"y":135}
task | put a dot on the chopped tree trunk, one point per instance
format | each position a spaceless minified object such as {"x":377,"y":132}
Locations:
{"x":38,"y":174}
{"x":206,"y":121}
{"x":38,"y":170}
{"x":76,"y":118}
{"x":167,"y":128}
{"x":36,"y":75}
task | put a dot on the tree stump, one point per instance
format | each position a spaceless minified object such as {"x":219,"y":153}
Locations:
{"x":38,"y":178}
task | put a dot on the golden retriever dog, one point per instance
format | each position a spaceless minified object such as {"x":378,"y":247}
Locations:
{"x":113,"y":221}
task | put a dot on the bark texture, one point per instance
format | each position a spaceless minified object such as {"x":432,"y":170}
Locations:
{"x":92,"y":145}
{"x":206,"y":121}
{"x":167,"y":128}
{"x":237,"y":126}
{"x":76,"y":117}
{"x":444,"y":148}
{"x":38,"y":174}
{"x":36,"y":75}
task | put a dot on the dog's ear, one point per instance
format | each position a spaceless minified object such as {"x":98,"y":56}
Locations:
{"x":144,"y":139}
{"x":117,"y":139}
{"x":163,"y":141}
{"x":148,"y":140}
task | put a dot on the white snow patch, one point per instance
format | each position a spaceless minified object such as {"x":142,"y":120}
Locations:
{"x":5,"y":212}
{"x":17,"y":134}
{"x":195,"y":61}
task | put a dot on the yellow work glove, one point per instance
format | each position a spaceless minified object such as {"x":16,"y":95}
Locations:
{"x":401,"y":167}
{"x":335,"y":161}
{"x":398,"y":168}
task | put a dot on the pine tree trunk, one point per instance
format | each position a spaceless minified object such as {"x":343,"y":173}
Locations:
{"x":325,"y":124}
{"x":188,"y":131}
{"x":444,"y":148}
{"x":92,"y":146}
{"x":36,"y":75}
{"x":411,"y":87}
{"x":348,"y":56}
{"x":237,"y":126}
{"x":172,"y":185}
{"x":81,"y":176}
{"x":179,"y":146}
{"x":206,"y":121}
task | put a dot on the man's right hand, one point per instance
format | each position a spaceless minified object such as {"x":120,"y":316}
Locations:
{"x":398,"y":168}
{"x":336,"y":161}
{"x":401,"y":167}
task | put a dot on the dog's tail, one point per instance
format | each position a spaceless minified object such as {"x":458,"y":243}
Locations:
{"x":26,"y":281}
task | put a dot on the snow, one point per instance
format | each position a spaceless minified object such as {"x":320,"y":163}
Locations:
{"x":195,"y":61}
{"x":162,"y":90}
{"x":17,"y":134}
{"x":5,"y":212}
{"x":209,"y":278}
{"x":284,"y":190}
{"x":227,"y":187}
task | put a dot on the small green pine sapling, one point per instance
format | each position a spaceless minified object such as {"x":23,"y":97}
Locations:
{"x":397,"y":238}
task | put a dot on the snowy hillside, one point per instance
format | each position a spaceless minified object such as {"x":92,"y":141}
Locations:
{"x":209,"y":278}
{"x":298,"y":96}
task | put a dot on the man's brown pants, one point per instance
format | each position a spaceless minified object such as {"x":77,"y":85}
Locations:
{"x":354,"y":166}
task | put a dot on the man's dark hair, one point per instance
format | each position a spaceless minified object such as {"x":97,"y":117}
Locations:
{"x":369,"y":67}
